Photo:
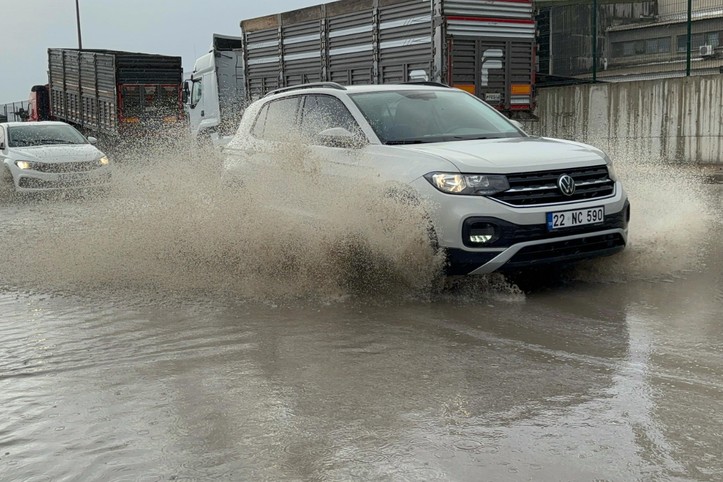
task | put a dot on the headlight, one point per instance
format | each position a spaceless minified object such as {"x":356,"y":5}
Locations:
{"x":611,"y":172}
{"x":24,"y":164}
{"x":471,"y":184}
{"x":103,"y":161}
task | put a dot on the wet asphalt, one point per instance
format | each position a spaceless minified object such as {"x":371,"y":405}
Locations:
{"x":610,"y":370}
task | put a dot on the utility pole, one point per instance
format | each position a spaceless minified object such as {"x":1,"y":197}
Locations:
{"x":689,"y":42}
{"x":77,"y":19}
{"x":594,"y":41}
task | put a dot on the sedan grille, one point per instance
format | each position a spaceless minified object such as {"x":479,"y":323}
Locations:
{"x":531,"y":188}
{"x":65,"y":166}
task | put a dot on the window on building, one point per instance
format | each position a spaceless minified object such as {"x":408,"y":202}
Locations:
{"x":697,"y":40}
{"x":642,"y":47}
{"x":712,"y":38}
{"x":658,"y":46}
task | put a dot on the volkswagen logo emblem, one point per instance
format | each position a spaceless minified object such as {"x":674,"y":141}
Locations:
{"x":566,"y":184}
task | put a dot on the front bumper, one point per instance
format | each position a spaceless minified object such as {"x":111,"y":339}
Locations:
{"x":527,"y":246}
{"x":28,"y":181}
{"x":523,"y":237}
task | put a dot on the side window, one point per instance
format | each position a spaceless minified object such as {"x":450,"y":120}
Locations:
{"x":196,"y":93}
{"x":281,"y":119}
{"x":321,"y":112}
{"x":2,"y":136}
{"x":260,"y":123}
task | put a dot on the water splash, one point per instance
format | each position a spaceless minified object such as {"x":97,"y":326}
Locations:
{"x":172,"y":224}
{"x":673,"y":214}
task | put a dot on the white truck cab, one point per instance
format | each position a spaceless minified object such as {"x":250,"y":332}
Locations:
{"x":214,"y":95}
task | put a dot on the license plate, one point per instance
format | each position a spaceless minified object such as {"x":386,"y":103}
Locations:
{"x":576,"y":217}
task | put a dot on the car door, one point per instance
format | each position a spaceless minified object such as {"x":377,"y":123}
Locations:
{"x":265,"y":139}
{"x":337,"y":156}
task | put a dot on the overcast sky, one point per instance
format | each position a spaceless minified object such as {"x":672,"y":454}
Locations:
{"x":169,"y":27}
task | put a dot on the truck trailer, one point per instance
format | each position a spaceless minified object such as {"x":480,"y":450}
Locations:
{"x":486,"y":47}
{"x":107,"y":92}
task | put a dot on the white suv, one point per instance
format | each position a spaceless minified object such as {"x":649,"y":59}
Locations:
{"x":498,"y":199}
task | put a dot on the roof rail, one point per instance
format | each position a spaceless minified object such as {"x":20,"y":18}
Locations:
{"x":312,"y":85}
{"x":427,"y":82}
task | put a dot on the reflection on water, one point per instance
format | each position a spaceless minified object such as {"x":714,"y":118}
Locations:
{"x":176,"y":330}
{"x":571,"y":384}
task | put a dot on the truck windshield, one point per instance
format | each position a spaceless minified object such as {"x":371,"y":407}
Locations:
{"x":37,"y":135}
{"x":419,"y":116}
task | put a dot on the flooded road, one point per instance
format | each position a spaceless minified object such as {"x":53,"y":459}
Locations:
{"x":153,"y":337}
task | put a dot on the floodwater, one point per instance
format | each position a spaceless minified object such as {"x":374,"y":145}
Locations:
{"x":171,"y":331}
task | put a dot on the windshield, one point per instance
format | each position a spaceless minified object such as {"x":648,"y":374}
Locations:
{"x":416,"y":116}
{"x":39,"y":135}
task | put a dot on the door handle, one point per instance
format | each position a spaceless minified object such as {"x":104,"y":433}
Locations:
{"x":203,"y":113}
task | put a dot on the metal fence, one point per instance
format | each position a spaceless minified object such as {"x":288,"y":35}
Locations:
{"x":15,"y":111}
{"x":613,"y":40}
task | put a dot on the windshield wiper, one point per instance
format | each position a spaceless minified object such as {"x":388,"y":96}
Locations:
{"x":56,"y":141}
{"x":473,"y":137}
{"x":410,"y":141}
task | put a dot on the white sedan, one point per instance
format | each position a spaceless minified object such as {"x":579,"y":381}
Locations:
{"x":49,"y":156}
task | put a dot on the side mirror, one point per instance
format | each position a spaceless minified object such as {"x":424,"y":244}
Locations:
{"x":517,"y":124}
{"x":92,"y":140}
{"x":339,"y":137}
{"x":2,"y":146}
{"x":186,"y":92}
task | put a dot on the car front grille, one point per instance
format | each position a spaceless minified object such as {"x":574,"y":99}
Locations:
{"x":534,"y":188}
{"x":60,"y":167}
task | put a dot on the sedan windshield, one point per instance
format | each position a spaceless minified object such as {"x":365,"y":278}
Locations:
{"x":417,"y":116}
{"x":40,"y":135}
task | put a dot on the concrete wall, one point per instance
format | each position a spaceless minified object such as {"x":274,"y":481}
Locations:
{"x":676,"y":120}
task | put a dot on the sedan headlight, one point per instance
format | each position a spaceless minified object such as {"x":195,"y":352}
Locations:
{"x":470,"y":184}
{"x":25,"y":165}
{"x":103,"y":161}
